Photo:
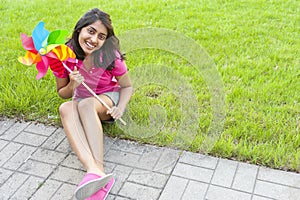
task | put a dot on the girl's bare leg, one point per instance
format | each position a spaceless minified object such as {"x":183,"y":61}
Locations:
{"x":77,"y":138}
{"x":91,"y":111}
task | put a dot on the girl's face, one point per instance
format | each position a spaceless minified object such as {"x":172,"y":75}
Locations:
{"x":92,"y":37}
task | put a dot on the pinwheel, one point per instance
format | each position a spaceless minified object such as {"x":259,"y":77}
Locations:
{"x":47,"y":49}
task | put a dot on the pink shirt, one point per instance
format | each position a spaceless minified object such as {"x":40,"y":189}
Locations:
{"x":98,"y":79}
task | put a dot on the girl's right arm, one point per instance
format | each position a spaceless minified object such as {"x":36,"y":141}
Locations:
{"x":63,"y":87}
{"x":66,"y":86}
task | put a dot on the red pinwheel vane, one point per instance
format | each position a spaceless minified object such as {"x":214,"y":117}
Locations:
{"x":46,"y":49}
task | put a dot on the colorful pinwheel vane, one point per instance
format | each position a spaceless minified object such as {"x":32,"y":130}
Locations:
{"x":46,"y":49}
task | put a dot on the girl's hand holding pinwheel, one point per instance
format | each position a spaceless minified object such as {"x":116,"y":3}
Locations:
{"x":115,"y":112}
{"x":75,"y":78}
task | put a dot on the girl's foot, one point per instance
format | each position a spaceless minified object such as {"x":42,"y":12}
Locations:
{"x":90,"y":184}
{"x":103,"y":192}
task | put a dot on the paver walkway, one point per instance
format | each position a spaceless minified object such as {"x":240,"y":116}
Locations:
{"x":36,"y":163}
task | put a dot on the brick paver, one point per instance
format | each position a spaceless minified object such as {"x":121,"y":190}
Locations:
{"x":36,"y":162}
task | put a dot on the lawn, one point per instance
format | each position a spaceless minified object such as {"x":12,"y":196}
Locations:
{"x":226,"y":83}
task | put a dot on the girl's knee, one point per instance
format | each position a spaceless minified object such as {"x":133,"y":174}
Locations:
{"x":90,"y":105}
{"x":65,"y":108}
{"x":86,"y":105}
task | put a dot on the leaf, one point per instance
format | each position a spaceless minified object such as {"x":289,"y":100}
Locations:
{"x":57,"y":37}
{"x":27,"y":43}
{"x":42,"y":67}
{"x":29,"y":58}
{"x":39,"y":36}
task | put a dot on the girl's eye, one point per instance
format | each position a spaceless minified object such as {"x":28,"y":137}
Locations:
{"x":102,"y":37}
{"x":91,"y":31}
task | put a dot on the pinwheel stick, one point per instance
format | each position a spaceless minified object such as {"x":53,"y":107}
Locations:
{"x":93,"y":93}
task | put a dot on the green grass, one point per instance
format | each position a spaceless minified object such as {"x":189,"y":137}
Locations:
{"x":254,"y":44}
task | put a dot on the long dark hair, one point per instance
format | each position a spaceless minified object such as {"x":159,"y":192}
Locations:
{"x":105,"y":56}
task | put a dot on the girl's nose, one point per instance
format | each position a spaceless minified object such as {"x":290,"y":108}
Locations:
{"x":94,"y":39}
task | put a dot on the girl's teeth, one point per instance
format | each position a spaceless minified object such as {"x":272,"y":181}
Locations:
{"x":90,"y":45}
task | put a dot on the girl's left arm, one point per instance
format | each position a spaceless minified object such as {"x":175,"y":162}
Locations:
{"x":126,"y":92}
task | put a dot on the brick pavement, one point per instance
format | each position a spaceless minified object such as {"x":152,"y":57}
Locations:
{"x":37,"y":163}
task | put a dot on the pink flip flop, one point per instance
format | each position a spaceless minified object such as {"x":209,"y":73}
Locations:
{"x":103,"y":192}
{"x":90,"y":184}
